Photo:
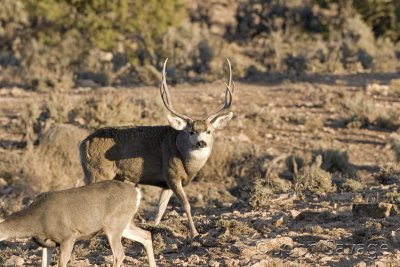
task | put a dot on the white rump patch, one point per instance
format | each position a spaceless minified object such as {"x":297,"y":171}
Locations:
{"x":2,"y":220}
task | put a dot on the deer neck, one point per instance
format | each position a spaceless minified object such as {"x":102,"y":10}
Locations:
{"x":192,"y":157}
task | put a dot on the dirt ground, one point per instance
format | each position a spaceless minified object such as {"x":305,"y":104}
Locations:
{"x":273,"y":119}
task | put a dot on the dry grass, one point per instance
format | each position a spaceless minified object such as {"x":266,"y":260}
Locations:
{"x":361,"y":111}
{"x":314,"y":180}
{"x":334,"y":160}
{"x":395,"y":142}
{"x":260,"y":195}
{"x":54,"y":162}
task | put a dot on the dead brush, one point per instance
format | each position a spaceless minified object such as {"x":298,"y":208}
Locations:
{"x":54,"y":162}
{"x":334,"y":160}
{"x":360,"y":111}
{"x":228,"y":161}
{"x":260,"y":195}
{"x":388,"y":174}
{"x":313,"y":179}
{"x":232,"y":230}
{"x":260,"y":115}
{"x":114,"y":109}
{"x":395,"y":144}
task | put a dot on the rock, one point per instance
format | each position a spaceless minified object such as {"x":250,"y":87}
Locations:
{"x":213,"y":263}
{"x":14,"y":261}
{"x":3,"y":183}
{"x":373,"y":210}
{"x":279,"y":222}
{"x":294,"y":213}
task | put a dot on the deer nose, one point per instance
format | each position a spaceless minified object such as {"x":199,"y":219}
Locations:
{"x":201,"y":144}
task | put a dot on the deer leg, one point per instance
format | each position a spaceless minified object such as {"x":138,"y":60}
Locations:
{"x":180,"y":193}
{"x":46,"y":256}
{"x":162,"y":204}
{"x":137,"y":234}
{"x":66,"y":249}
{"x":117,"y":249}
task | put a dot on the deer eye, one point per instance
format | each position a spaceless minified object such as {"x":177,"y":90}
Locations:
{"x":191,"y":133}
{"x":208,"y":132}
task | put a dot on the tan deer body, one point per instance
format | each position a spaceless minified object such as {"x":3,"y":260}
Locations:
{"x":164,"y":156}
{"x":62,"y":217}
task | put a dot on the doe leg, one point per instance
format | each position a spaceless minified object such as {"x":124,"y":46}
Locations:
{"x":137,"y":234}
{"x":162,"y":204}
{"x":46,"y":256}
{"x":117,"y":249}
{"x":66,"y":249}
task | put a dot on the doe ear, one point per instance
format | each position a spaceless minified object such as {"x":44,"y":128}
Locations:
{"x":221,"y":121}
{"x":176,"y":122}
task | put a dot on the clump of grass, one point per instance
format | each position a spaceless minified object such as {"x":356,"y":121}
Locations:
{"x":260,"y":195}
{"x":261,"y":115}
{"x":6,"y":253}
{"x":234,"y":227}
{"x":352,"y":185}
{"x":392,"y":197}
{"x":394,"y":86}
{"x":314,"y":123}
{"x":388,"y":174}
{"x":395,"y":142}
{"x":54,"y":162}
{"x":334,"y":160}
{"x":158,"y":243}
{"x":360,"y":111}
{"x":314,"y":180}
{"x":228,"y":160}
{"x":370,"y":232}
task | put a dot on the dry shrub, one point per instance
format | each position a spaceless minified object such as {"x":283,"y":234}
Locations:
{"x":158,"y":243}
{"x":395,"y":142}
{"x":54,"y":163}
{"x":314,"y":123}
{"x":388,"y":174}
{"x":360,"y":111}
{"x":394,"y":86}
{"x":352,"y":185}
{"x":227,"y":160}
{"x":261,"y":115}
{"x":260,"y":195}
{"x":371,"y":231}
{"x":334,"y":160}
{"x":392,"y":197}
{"x":234,"y":227}
{"x":314,"y":180}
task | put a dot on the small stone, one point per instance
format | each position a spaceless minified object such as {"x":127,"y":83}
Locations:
{"x":279,"y":222}
{"x":14,"y":261}
{"x":373,"y":210}
{"x":213,"y":263}
{"x":294,"y":213}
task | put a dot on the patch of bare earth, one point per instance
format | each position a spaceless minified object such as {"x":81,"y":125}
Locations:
{"x":249,"y":209}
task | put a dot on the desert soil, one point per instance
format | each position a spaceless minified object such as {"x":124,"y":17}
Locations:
{"x":291,"y":231}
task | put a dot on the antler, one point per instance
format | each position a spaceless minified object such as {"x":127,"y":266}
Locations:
{"x":165,"y":96}
{"x":228,"y":96}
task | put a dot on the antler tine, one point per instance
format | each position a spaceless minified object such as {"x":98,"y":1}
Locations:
{"x":165,"y":95}
{"x":228,"y":95}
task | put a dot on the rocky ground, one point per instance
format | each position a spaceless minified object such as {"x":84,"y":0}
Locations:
{"x":293,"y":225}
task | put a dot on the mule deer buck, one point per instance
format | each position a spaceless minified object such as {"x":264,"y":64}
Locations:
{"x":164,"y":156}
{"x":62,"y":217}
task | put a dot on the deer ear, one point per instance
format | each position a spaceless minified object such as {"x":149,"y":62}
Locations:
{"x":222,"y":121}
{"x":176,"y":122}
